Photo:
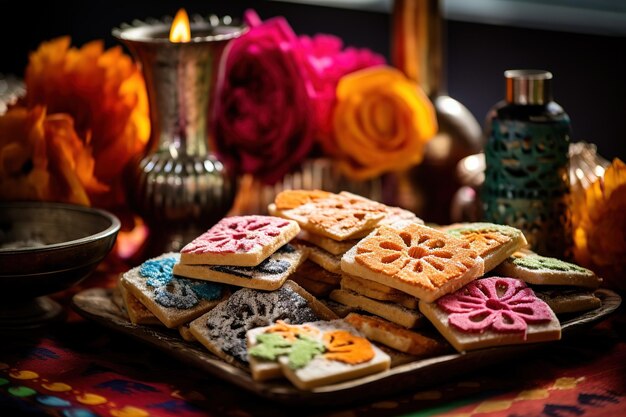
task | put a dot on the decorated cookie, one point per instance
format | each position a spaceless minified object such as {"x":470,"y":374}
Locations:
{"x":392,"y":214}
{"x":414,"y":259}
{"x":269,"y":275}
{"x":326,"y":260}
{"x":332,"y":246}
{"x":493,"y":242}
{"x":334,"y":216}
{"x":173,"y":300}
{"x":542,"y":270}
{"x":359,"y":286}
{"x":564,"y":299}
{"x":222,"y":330}
{"x":315,"y":354}
{"x":137,"y":312}
{"x":491,"y":312}
{"x":397,"y":337}
{"x":239,"y":240}
{"x":313,"y":271}
{"x":393,"y":312}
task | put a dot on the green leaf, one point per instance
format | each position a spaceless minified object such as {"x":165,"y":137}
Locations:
{"x":270,"y":346}
{"x":303,"y":351}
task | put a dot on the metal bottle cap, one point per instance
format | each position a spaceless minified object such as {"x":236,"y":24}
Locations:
{"x":528,"y":86}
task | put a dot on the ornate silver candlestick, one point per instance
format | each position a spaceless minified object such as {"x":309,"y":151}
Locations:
{"x":179,"y":186}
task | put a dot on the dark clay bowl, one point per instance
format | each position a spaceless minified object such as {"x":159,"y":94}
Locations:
{"x":48,"y":247}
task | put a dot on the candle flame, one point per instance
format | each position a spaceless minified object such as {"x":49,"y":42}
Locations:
{"x":180,"y":30}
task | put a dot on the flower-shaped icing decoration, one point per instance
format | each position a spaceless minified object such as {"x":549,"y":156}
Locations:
{"x":483,"y":237}
{"x":502,"y":305}
{"x":237,"y":234}
{"x":418,"y":254}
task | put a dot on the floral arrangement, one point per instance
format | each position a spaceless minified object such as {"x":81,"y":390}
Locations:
{"x":283,"y":98}
{"x":84,"y":116}
{"x":599,"y":220}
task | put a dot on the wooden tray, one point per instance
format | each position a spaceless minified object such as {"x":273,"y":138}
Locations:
{"x":95,"y":304}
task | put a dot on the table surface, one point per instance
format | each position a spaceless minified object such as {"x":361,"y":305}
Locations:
{"x":76,"y":368}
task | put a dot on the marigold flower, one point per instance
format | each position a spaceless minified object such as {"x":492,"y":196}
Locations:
{"x":600,"y":225}
{"x":42,"y":158}
{"x":103,"y":91}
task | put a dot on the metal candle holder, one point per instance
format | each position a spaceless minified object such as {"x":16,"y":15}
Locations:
{"x":179,"y":186}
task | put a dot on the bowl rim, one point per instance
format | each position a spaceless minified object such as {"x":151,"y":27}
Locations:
{"x":113,"y":228}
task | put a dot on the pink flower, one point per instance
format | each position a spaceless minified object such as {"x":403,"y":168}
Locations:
{"x":326,"y":63}
{"x":264,"y":109}
{"x":503,"y":305}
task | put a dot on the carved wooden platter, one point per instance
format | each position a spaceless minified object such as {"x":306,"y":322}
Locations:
{"x":96,"y":304}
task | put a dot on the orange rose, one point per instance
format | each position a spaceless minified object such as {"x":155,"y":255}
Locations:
{"x":103,"y":91}
{"x":381,"y":122}
{"x":42,"y":158}
{"x":599,"y":217}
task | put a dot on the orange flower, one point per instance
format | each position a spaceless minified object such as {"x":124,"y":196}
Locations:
{"x":103,"y":91}
{"x":599,"y":215}
{"x":42,"y":158}
{"x":381,"y":121}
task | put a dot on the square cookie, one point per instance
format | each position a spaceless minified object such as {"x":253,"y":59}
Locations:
{"x":493,"y":242}
{"x":137,"y":312}
{"x":269,"y":275}
{"x":171,"y":299}
{"x":414,"y":259}
{"x":393,"y":312}
{"x":326,"y":260}
{"x":563,"y":299}
{"x":542,"y":270}
{"x":492,"y":312}
{"x":335,"y":216}
{"x":397,"y":337}
{"x":351,"y":283}
{"x":239,"y":240}
{"x":317,"y":354}
{"x":223,"y":329}
{"x":332,"y":246}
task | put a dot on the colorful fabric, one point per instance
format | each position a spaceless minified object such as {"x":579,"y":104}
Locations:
{"x":81,"y":369}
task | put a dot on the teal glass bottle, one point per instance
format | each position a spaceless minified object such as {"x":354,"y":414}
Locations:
{"x":526,"y":154}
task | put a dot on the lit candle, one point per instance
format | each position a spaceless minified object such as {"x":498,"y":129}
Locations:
{"x":180,"y":30}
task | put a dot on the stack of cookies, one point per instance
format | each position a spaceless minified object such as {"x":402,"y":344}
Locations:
{"x":564,"y":286}
{"x":331,"y":224}
{"x":245,"y":251}
{"x":252,"y":289}
{"x":389,"y":271}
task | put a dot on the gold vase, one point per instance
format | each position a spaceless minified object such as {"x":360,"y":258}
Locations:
{"x":179,"y":186}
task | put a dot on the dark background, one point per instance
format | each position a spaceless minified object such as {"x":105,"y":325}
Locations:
{"x":589,"y":70}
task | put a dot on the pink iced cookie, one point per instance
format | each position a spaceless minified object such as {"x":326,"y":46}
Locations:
{"x":240,"y":241}
{"x":492,"y":311}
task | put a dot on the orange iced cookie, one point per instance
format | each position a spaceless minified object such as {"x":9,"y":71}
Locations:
{"x":415,"y":259}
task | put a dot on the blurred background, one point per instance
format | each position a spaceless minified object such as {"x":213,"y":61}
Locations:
{"x":581,"y":42}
